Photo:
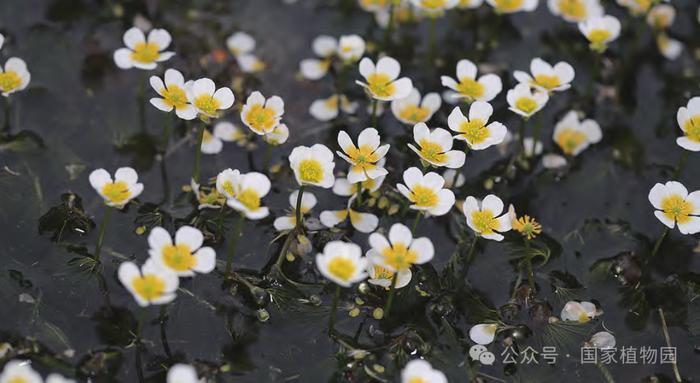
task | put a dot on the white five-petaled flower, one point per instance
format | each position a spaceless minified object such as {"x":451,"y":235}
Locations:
{"x":512,"y":6}
{"x":475,"y":130}
{"x":419,"y":370}
{"x":118,"y":192}
{"x":580,"y":312}
{"x":244,"y":192}
{"x":426,"y":192}
{"x":485,"y":88}
{"x":547,"y":77}
{"x":676,"y":206}
{"x":262,"y":115}
{"x":19,"y":371}
{"x":182,"y":373}
{"x":288,"y":222}
{"x":14,"y":77}
{"x":575,"y":11}
{"x":315,"y":68}
{"x":351,"y":48}
{"x":523,"y":101}
{"x":240,"y":43}
{"x":573,"y":136}
{"x":483,"y":333}
{"x":186,"y":255}
{"x":143,"y":53}
{"x":153,"y":284}
{"x":364,"y":157}
{"x":313,"y":165}
{"x":208,"y":100}
{"x":382,"y":80}
{"x":342,"y":263}
{"x":600,"y":30}
{"x":688,"y":118}
{"x":485,"y":218}
{"x":362,"y":222}
{"x":435,"y":147}
{"x":326,"y":109}
{"x":173,"y":94}
{"x":400,"y":251}
{"x":412,"y":109}
{"x":381,"y":276}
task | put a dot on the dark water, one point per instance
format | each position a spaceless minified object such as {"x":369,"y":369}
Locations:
{"x":86,"y":113}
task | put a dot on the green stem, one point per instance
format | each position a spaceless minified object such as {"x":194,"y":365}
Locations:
{"x":431,"y":44}
{"x":235,"y":234}
{"x":657,"y":245}
{"x":392,"y":292}
{"x":606,"y":373}
{"x":472,"y":251}
{"x":163,"y":320}
{"x":266,"y":159}
{"x":521,"y":132}
{"x":389,"y":28}
{"x":530,"y":272}
{"x":198,"y":153}
{"x":139,"y":345}
{"x":334,"y":308}
{"x":375,"y":102}
{"x":8,"y":113}
{"x":142,"y":101}
{"x":101,"y":235}
{"x":537,"y":134}
{"x":667,"y":336}
{"x":297,"y":210}
{"x":359,"y":194}
{"x":415,"y":222}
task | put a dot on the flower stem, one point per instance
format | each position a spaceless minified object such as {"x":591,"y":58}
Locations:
{"x":431,"y":44}
{"x":530,"y":272}
{"x":139,"y":345}
{"x":606,"y":373}
{"x":359,"y":194}
{"x":163,"y":320}
{"x":334,"y":308}
{"x":659,"y":241}
{"x":198,"y":153}
{"x":142,"y":101}
{"x":392,"y":292}
{"x":266,"y":158}
{"x":375,"y":102}
{"x":235,"y":234}
{"x":8,"y":113}
{"x":415,"y":222}
{"x":297,"y":210}
{"x":667,"y":336}
{"x":101,"y":234}
{"x":472,"y":251}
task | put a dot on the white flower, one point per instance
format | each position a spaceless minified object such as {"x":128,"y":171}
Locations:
{"x":670,"y":48}
{"x":600,"y":30}
{"x":182,"y":373}
{"x":412,"y":110}
{"x":573,"y":136}
{"x":381,"y":276}
{"x":208,"y":100}
{"x":342,"y":263}
{"x":483,"y":333}
{"x":326,"y":109}
{"x":485,"y":88}
{"x":344,"y":188}
{"x":511,"y":6}
{"x":313,"y":165}
{"x":603,"y":340}
{"x":143,"y":53}
{"x":19,"y":371}
{"x":288,"y":222}
{"x":250,"y":63}
{"x":324,"y":47}
{"x":575,"y":11}
{"x":546,"y":77}
{"x":661,"y":16}
{"x":351,"y":48}
{"x":262,"y":115}
{"x":227,"y":131}
{"x":474,"y":130}
{"x":186,"y":255}
{"x":524,"y":102}
{"x":118,"y":192}
{"x":211,"y":144}
{"x":436,"y":147}
{"x":453,"y":179}
{"x":364,"y":157}
{"x":278,"y":136}
{"x":400,"y":251}
{"x":56,"y":378}
{"x":426,"y":192}
{"x":688,"y":119}
{"x":154,"y":284}
{"x":675,"y":205}
{"x":14,"y":77}
{"x":362,"y":222}
{"x":485,"y":218}
{"x":240,"y":43}
{"x":382,"y":83}
{"x":173,"y":93}
{"x":244,"y":192}
{"x":580,"y":312}
{"x":418,"y":370}
{"x":434,"y":6}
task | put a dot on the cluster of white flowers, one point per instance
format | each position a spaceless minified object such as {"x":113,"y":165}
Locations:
{"x":14,"y":76}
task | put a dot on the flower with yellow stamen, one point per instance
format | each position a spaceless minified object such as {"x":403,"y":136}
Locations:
{"x":262,"y":115}
{"x":412,"y":109}
{"x":244,"y":192}
{"x":420,"y":371}
{"x":580,"y":312}
{"x":240,"y":43}
{"x":342,"y":263}
{"x":512,"y":6}
{"x":676,"y":206}
{"x":210,"y":199}
{"x":425,"y":192}
{"x":344,"y":188}
{"x":250,"y":63}
{"x":524,"y":225}
{"x":382,"y":82}
{"x":208,"y":100}
{"x":573,"y":136}
{"x":381,"y":276}
{"x":475,"y":130}
{"x":670,"y":48}
{"x":211,"y":144}
{"x":118,"y":192}
{"x":173,"y":95}
{"x":600,"y":31}
{"x":278,"y":136}
{"x":143,"y":53}
{"x":546,"y":77}
{"x":313,"y":165}
{"x":467,"y":86}
{"x":14,"y":77}
{"x":153,"y":284}
{"x":688,"y":118}
{"x":288,"y":222}
{"x":19,"y":371}
{"x":661,"y":16}
{"x":523,"y":101}
{"x":364,"y":157}
{"x":185,"y":255}
{"x":485,"y":217}
{"x":575,"y":11}
{"x":326,"y":109}
{"x":351,"y":48}
{"x":435,"y":147}
{"x":400,"y":250}
{"x":362,"y":222}
{"x":315,"y":68}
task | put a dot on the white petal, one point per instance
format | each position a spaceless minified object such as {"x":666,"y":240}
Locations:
{"x":190,"y":236}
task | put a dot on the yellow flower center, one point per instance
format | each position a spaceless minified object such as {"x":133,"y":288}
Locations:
{"x":474,"y":131}
{"x":228,"y":188}
{"x":213,"y":198}
{"x":508,"y":5}
{"x":692,"y":128}
{"x":547,"y":82}
{"x":569,"y":140}
{"x":433,"y":4}
{"x":249,"y":198}
{"x":145,"y":53}
{"x":331,"y":102}
{"x":260,"y":118}
{"x":18,"y":379}
{"x":311,"y":171}
{"x":417,"y":379}
{"x":484,"y":221}
{"x":116,"y":192}
{"x":526,"y":104}
{"x":676,"y":208}
{"x":583,"y":317}
{"x":381,"y":85}
{"x":174,"y":96}
{"x":527,"y":226}
{"x":206,"y":136}
{"x":382,"y":273}
{"x":574,"y":9}
{"x":432,"y":151}
{"x":399,"y":256}
{"x":148,"y":287}
{"x":363,"y":156}
{"x":342,"y":268}
{"x":207,"y":104}
{"x":423,"y":196}
{"x":469,"y":87}
{"x":598,"y":37}
{"x":414,"y":113}
{"x":9,"y":81}
{"x":178,"y":257}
